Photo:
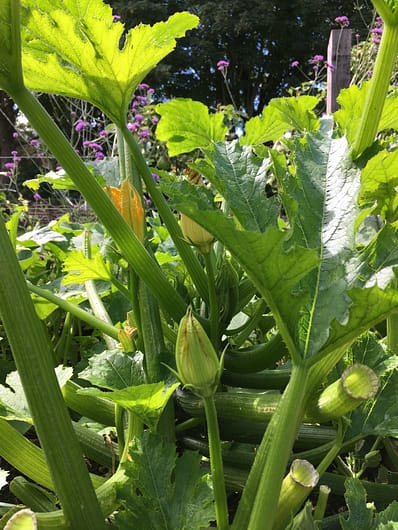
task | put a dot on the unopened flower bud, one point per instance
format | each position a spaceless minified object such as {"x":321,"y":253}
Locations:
{"x":198,"y":365}
{"x":198,"y":236}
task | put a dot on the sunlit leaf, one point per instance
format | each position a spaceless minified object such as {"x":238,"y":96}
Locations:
{"x":186,"y":125}
{"x":73,"y":48}
{"x":279,"y":116}
{"x":146,"y":401}
{"x":380,"y":184}
{"x":352,"y":101}
{"x":13,"y":404}
{"x":81,"y":268}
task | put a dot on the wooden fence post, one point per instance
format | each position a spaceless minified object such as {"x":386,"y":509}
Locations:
{"x":339,"y":76}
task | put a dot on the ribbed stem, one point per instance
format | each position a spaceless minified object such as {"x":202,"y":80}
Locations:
{"x":392,"y":333}
{"x":216,"y":465}
{"x":129,"y":244}
{"x":33,"y":358}
{"x":191,"y":262}
{"x":356,"y":384}
{"x":296,"y":486}
{"x":256,"y":509}
{"x":377,"y":90}
{"x":214,"y":316}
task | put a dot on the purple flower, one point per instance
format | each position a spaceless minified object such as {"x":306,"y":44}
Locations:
{"x":80,"y":125}
{"x":142,"y":99}
{"x":58,"y":168}
{"x":17,"y":158}
{"x":15,"y":135}
{"x":154,"y":119}
{"x":86,"y":143}
{"x":116,"y":18}
{"x":132,"y":126}
{"x":34,"y":141}
{"x":37,"y":196}
{"x":9,"y":165}
{"x":376,"y":31}
{"x":103,"y":133}
{"x":99,"y":155}
{"x":330,"y":66}
{"x":14,"y":153}
{"x":294,"y":64}
{"x":316,"y":59}
{"x":343,"y":21}
{"x":222,"y":65}
{"x":93,"y":145}
{"x":155,"y":177}
{"x":143,"y":86}
{"x":144,"y":133}
{"x":139,"y":118}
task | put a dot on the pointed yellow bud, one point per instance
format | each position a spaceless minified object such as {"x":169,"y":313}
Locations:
{"x":198,"y":236}
{"x":198,"y":365}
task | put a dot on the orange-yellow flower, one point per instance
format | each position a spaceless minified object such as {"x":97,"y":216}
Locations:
{"x":128,"y":203}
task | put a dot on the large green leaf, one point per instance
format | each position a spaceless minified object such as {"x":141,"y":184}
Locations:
{"x":174,"y":493}
{"x":380,"y":183}
{"x":13,"y":404}
{"x":114,"y":370}
{"x":352,"y":101}
{"x":279,"y":116}
{"x":72,"y":48}
{"x":240,"y":177}
{"x":186,"y":125}
{"x":363,"y":516}
{"x":274,"y":266}
{"x":322,"y":291}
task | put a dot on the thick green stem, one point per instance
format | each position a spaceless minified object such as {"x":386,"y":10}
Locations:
{"x":191,"y":262}
{"x":392,"y":333}
{"x":34,"y":360}
{"x":256,"y":509}
{"x":213,"y":302}
{"x":377,"y":90}
{"x":130,"y":246}
{"x":216,"y":465}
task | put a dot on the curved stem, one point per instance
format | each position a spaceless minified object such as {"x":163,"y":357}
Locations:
{"x":216,"y":465}
{"x":377,"y":90}
{"x":76,"y":311}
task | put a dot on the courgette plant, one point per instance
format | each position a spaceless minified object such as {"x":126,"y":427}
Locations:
{"x":301,"y":255}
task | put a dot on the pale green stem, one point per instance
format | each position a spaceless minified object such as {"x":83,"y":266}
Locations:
{"x":256,"y":509}
{"x":34,"y":361}
{"x":377,"y":90}
{"x":76,"y":311}
{"x":216,"y":464}
{"x":130,"y":246}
